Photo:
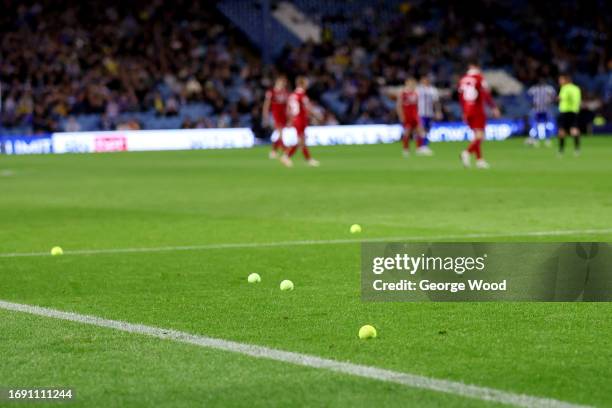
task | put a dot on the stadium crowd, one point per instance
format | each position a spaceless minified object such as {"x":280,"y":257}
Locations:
{"x":63,"y":58}
{"x":530,"y":40}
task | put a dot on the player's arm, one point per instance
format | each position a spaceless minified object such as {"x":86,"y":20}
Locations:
{"x":292,"y":109}
{"x":552,"y":94}
{"x":460,"y":96}
{"x":398,"y":107}
{"x":488,"y":98}
{"x":530,"y":93}
{"x":265,"y":110}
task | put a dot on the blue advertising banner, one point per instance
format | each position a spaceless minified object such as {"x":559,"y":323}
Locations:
{"x":89,"y":142}
{"x":26,"y":144}
{"x":500,"y":129}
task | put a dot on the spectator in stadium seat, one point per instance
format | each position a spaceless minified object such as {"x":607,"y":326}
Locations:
{"x":72,"y":125}
{"x":203,"y":123}
{"x":187,"y":123}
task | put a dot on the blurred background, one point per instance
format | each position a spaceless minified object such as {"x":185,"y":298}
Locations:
{"x":81,"y":66}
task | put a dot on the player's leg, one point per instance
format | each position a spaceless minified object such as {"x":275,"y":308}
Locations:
{"x":406,"y":140}
{"x":541,"y":126}
{"x":532,"y":134}
{"x":426,"y":123}
{"x":477,"y":149}
{"x":289,"y":152}
{"x":575,"y":132}
{"x":305,"y":151}
{"x":466,"y":155}
{"x":546,"y":131}
{"x":563,"y":128}
{"x":561,"y":135}
{"x":302,"y":145}
{"x":418,"y":137}
{"x":538,"y":132}
{"x":286,"y":157}
{"x":278,"y":143}
{"x":422,"y":148}
{"x":477,"y":124}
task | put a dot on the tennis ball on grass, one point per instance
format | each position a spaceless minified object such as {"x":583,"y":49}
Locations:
{"x":355,"y":229}
{"x":367,"y":332}
{"x":55,"y":251}
{"x":254,"y":278}
{"x":286,"y":285}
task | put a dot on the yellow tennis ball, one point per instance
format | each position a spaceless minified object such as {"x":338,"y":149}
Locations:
{"x":55,"y":251}
{"x":286,"y":285}
{"x":367,"y":332}
{"x":254,"y":278}
{"x":355,"y":229}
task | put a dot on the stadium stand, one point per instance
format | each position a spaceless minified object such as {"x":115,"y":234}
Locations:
{"x":72,"y":65}
{"x":168,"y":64}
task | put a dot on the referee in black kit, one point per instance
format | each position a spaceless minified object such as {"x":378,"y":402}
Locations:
{"x":569,"y":106}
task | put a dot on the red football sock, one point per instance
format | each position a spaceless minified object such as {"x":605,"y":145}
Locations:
{"x":470,"y":148}
{"x":278,"y":144}
{"x":474,"y":147}
{"x":306,"y":152}
{"x":291,"y":151}
{"x":419,"y":141}
{"x":406,"y":142}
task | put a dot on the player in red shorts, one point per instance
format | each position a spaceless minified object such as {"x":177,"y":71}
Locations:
{"x":407,"y":108}
{"x":473,"y":94}
{"x":276,"y":102}
{"x":298,"y":111}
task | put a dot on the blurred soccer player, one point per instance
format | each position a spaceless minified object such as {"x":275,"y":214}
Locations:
{"x":473,"y":95}
{"x":542,"y":96}
{"x":298,"y":109}
{"x":276,"y":102}
{"x":407,"y":107}
{"x":429,"y":108}
{"x":569,"y":106}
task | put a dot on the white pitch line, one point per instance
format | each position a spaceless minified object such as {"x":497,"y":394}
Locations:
{"x":239,"y":245}
{"x":305,"y":360}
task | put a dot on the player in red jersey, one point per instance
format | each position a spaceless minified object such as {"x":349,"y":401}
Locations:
{"x":276,"y":102}
{"x":473,"y":95}
{"x":407,"y":108}
{"x":298,"y":111}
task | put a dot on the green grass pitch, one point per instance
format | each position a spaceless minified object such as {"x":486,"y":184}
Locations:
{"x":132,"y":200}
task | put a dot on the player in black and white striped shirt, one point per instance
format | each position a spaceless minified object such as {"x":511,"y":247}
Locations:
{"x":429,"y":108}
{"x":542,"y":97}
